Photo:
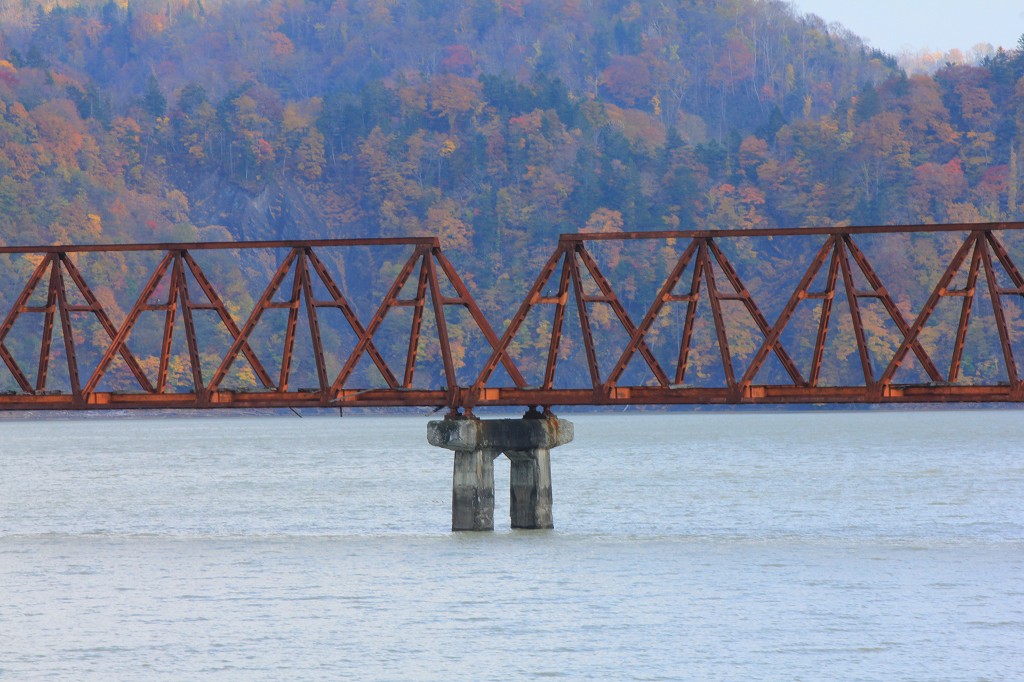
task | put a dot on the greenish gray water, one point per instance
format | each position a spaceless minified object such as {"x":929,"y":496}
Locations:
{"x":769,"y":546}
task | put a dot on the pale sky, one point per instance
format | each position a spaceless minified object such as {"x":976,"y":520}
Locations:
{"x":896,"y":26}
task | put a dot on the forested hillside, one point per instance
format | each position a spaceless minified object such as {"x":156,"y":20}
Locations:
{"x":490,"y":123}
{"x":495,"y":124}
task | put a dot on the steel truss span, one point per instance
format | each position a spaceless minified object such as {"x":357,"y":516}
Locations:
{"x":812,"y":315}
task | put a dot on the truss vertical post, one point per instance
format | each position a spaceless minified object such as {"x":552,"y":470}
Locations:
{"x":191,"y":341}
{"x":442,"y":330}
{"x":858,"y":324}
{"x":828,"y":296}
{"x":167,"y":339}
{"x":584,"y":315}
{"x":293,"y":322}
{"x":314,"y":323}
{"x":965,"y":314}
{"x":1000,"y":315}
{"x":716,"y":311}
{"x":692,"y":300}
{"x":47,"y":338}
{"x":556,"y":329}
{"x":416,"y":327}
{"x":66,"y":329}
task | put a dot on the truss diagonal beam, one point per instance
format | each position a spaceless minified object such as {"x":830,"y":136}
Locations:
{"x":772,"y":337}
{"x":929,"y":308}
{"x":620,"y":312}
{"x":225,"y":317}
{"x":339,"y":301}
{"x":254,"y":317}
{"x":16,"y":310}
{"x":466,"y":299}
{"x":366,"y":338}
{"x":880,"y":292}
{"x":141,"y":303}
{"x":104,"y":320}
{"x":755,"y":312}
{"x":533,"y":297}
{"x":663,"y":297}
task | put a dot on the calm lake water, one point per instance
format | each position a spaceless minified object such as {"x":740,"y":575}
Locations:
{"x":756,"y":546}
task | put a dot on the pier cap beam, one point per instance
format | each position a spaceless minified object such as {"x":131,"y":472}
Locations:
{"x":502,"y":435}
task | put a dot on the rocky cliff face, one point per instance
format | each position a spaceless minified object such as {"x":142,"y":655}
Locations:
{"x":275,"y":210}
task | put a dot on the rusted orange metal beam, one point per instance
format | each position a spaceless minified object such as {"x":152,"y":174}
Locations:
{"x":66,"y":379}
{"x":788,"y":232}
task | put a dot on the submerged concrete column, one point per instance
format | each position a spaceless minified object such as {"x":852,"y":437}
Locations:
{"x":527,"y":442}
{"x":530,"y":488}
{"x":473,"y":490}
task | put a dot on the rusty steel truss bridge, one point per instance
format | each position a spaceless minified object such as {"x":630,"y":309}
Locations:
{"x":810,"y":315}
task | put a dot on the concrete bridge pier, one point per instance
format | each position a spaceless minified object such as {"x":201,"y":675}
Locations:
{"x":527,"y":443}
